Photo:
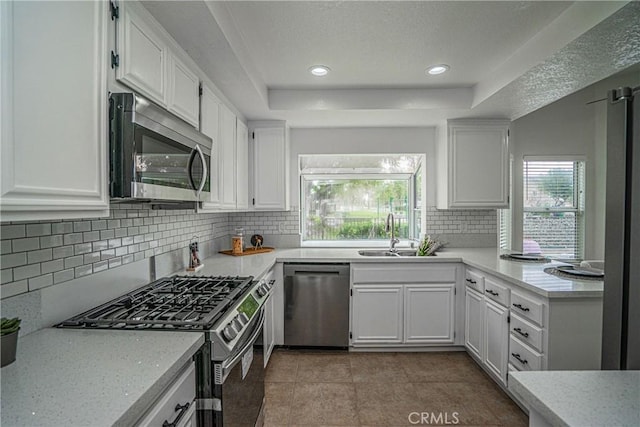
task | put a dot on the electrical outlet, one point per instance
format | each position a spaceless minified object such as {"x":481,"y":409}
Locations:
{"x":464,"y":227}
{"x":281,"y":227}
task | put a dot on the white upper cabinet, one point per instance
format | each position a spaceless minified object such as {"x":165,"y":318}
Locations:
{"x":210,"y":126}
{"x":184,"y":86}
{"x":270,"y":168}
{"x":473,"y":164}
{"x":153,"y":65}
{"x":143,"y":55}
{"x":53,"y":110}
{"x":242,"y":169}
{"x":227,"y":150}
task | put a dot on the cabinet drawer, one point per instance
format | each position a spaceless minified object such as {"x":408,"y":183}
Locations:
{"x":497,"y":292}
{"x":182,"y":392}
{"x":523,"y":357}
{"x":404,"y":274}
{"x":526,"y":332}
{"x":474,"y":281}
{"x":527,"y":307}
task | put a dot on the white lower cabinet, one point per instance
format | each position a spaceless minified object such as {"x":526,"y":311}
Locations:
{"x":377,"y":314}
{"x":176,"y":406}
{"x":487,"y":323}
{"x":474,"y":322}
{"x":268,"y":330}
{"x":429,"y":313}
{"x":403,"y":305}
{"x":496,"y":339}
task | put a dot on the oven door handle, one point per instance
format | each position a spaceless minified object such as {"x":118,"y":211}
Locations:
{"x":228,"y":364}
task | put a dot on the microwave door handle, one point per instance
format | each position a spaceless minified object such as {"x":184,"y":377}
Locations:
{"x":205,"y":172}
{"x":192,"y":156}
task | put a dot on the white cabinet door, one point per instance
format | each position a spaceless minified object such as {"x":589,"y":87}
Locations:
{"x":474,"y":322}
{"x":228,"y":157}
{"x":53,"y":110}
{"x":268,"y":332}
{"x":475,"y":165}
{"x":270,"y":158}
{"x":210,"y":126}
{"x":496,"y":339}
{"x":242,"y":166}
{"x":377,"y":314}
{"x":184,"y":86}
{"x":143,"y":55}
{"x":429,"y":313}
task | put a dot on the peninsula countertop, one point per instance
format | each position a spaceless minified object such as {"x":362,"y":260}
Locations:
{"x":581,"y":398}
{"x":530,"y":276}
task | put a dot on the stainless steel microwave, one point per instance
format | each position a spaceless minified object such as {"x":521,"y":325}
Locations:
{"x":155,"y":155}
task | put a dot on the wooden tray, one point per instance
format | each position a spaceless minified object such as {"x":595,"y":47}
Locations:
{"x":250,"y":251}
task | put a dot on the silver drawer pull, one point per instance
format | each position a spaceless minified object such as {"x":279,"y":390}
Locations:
{"x":517,"y":356}
{"x":524,"y":334}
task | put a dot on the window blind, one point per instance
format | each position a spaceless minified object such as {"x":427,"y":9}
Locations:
{"x":553,"y":220}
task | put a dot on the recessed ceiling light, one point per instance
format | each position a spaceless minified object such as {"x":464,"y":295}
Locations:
{"x":319,"y":70}
{"x":437,"y":69}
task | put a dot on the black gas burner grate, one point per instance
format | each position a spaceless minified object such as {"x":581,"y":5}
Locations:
{"x":178,"y":302}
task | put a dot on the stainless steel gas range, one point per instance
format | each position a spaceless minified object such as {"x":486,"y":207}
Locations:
{"x":229,"y":311}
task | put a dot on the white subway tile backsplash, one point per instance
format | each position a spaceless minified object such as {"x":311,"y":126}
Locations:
{"x":52,"y":266}
{"x":83,"y":270}
{"x":26,"y":271}
{"x":63,"y":276}
{"x":62,"y":252}
{"x":38,"y":230}
{"x":50,"y":241}
{"x":5,"y":247}
{"x":40,"y":282}
{"x":81,"y":226}
{"x":14,"y":288}
{"x":72,"y":239}
{"x":13,"y":260}
{"x":28,"y":244}
{"x":6,"y":276}
{"x":12,"y":231}
{"x":73,"y":261}
{"x":62,"y":228}
{"x":39,"y":256}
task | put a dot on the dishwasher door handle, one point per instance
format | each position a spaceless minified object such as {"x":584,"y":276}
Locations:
{"x":315,"y":273}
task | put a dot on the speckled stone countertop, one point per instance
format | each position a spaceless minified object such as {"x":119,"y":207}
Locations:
{"x":530,"y":276}
{"x":72,"y":377}
{"x":581,"y":398}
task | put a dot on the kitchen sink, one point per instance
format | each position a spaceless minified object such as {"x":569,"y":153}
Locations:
{"x":386,"y":252}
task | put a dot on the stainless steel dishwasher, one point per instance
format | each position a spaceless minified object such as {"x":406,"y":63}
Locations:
{"x":316,"y":298}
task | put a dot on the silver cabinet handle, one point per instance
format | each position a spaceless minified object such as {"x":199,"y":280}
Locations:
{"x":181,"y":410}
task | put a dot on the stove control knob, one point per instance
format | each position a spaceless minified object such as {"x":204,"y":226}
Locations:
{"x":244,"y":319}
{"x":265,"y":287}
{"x":269,"y":284}
{"x":236,"y":324}
{"x":229,"y":333}
{"x":261,"y":292}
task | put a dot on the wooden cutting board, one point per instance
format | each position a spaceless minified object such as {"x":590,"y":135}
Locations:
{"x":250,"y":251}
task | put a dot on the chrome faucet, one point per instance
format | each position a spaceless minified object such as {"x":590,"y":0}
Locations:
{"x":391,"y":226}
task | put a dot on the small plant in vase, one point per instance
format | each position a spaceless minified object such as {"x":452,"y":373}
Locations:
{"x":428,"y":246}
{"x":9,"y":335}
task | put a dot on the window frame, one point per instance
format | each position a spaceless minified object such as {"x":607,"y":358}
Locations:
{"x":579,"y":197}
{"x":408,"y":177}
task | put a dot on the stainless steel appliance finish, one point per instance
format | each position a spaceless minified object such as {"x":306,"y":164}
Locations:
{"x":316,"y":305}
{"x":621,"y":304}
{"x":155,"y":155}
{"x":229,"y":311}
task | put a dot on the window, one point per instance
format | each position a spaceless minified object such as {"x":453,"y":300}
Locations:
{"x":347,"y":198}
{"x":553,"y":211}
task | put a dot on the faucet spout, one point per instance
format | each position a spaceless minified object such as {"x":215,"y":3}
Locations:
{"x":390,"y":226}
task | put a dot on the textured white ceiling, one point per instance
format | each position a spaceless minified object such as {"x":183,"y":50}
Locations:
{"x":385,"y":44}
{"x":508,"y":58}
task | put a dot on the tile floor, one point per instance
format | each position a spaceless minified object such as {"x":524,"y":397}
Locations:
{"x":305,"y":388}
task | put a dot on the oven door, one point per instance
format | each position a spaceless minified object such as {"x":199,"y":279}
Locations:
{"x":239,"y":381}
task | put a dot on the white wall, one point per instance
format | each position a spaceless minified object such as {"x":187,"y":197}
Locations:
{"x":569,"y":126}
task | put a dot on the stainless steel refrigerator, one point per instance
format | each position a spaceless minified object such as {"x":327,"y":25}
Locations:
{"x":621,"y":315}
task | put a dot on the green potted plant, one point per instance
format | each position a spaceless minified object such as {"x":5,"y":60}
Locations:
{"x":9,"y":339}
